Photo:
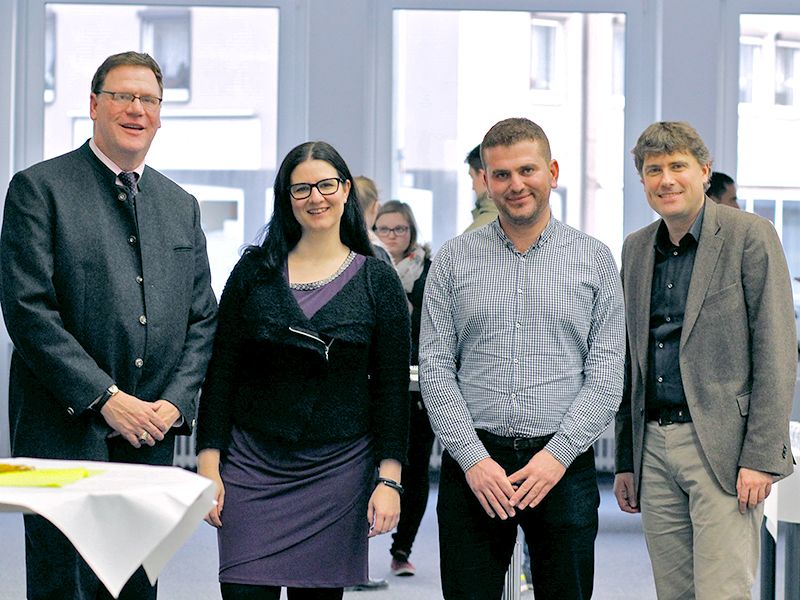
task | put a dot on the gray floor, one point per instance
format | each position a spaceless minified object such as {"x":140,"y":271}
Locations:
{"x":622,"y":566}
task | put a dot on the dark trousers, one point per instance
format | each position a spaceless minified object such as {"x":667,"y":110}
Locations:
{"x":475,"y":550}
{"x":238,"y":591}
{"x":55,"y":570}
{"x":415,"y":479}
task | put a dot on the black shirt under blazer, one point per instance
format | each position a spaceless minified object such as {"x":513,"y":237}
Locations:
{"x":268,"y":377}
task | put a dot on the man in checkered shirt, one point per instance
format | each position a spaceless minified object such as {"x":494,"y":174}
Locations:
{"x":522,"y":354}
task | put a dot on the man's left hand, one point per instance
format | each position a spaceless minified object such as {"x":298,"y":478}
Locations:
{"x":536,"y":479}
{"x":168,"y":412}
{"x":752,"y":487}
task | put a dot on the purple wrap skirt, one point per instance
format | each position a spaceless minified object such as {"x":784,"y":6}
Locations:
{"x":295,"y":517}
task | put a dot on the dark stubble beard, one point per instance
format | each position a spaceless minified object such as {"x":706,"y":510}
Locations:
{"x":542,"y":208}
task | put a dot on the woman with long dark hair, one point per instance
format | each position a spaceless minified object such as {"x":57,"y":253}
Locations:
{"x":303,"y":420}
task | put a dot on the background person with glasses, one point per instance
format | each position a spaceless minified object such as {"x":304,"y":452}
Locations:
{"x":306,"y":393}
{"x":106,"y":294}
{"x":397,"y":228}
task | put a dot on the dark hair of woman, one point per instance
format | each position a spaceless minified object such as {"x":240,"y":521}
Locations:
{"x":283,"y":231}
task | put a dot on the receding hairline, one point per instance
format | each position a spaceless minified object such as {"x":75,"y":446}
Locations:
{"x":512,"y":131}
{"x":541,"y":148}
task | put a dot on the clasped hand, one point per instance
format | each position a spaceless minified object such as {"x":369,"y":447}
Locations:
{"x":500,"y":494}
{"x":133,"y":418}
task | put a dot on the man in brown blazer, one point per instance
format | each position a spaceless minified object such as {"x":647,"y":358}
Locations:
{"x":702,"y":432}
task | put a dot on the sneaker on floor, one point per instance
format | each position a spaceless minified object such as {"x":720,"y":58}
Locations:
{"x":368,"y":586}
{"x":402,"y":567}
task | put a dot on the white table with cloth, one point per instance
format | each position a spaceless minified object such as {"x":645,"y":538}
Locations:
{"x":783,"y":504}
{"x":118,"y":516}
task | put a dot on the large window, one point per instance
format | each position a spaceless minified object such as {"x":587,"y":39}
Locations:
{"x":769,"y":125}
{"x":219,"y":142}
{"x":564,"y":71}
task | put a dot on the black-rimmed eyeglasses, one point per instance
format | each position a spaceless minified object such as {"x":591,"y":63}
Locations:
{"x":326,"y":187}
{"x":124,"y":98}
{"x":385,"y":231}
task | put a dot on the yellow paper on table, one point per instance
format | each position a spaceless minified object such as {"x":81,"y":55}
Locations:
{"x":44,"y":477}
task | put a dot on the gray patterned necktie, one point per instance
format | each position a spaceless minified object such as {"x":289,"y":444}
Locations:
{"x":129,"y":179}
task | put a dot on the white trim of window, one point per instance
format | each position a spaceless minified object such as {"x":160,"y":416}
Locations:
{"x":780,"y":196}
{"x":640,"y":78}
{"x":554,"y":92}
{"x":728,"y":107}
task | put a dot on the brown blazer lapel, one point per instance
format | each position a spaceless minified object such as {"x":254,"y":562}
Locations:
{"x":639,"y":284}
{"x":708,"y":251}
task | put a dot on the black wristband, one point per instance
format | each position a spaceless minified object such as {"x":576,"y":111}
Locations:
{"x":392,"y":484}
{"x":101,"y":401}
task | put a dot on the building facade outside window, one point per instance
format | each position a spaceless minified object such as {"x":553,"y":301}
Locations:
{"x":166,"y":35}
{"x":769,"y":122}
{"x":565,"y":71}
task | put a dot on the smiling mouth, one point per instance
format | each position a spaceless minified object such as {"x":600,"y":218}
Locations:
{"x":133,"y":127}
{"x":317,"y":211}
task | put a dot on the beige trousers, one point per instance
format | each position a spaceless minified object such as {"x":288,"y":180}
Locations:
{"x":700,"y":545}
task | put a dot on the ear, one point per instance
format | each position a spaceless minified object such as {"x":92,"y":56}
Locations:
{"x":554,"y":174}
{"x":346,"y":186}
{"x":706,"y":168}
{"x":93,"y":106}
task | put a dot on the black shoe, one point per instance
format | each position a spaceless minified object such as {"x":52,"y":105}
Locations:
{"x":368,"y":586}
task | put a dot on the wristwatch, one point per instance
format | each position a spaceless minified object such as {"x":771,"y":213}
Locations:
{"x":101,"y":401}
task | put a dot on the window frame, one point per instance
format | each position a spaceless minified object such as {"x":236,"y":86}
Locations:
{"x":640,"y":79}
{"x":794,"y":48}
{"x":728,"y":129}
{"x":555,"y":89}
{"x":28,"y":131}
{"x":150,"y":18}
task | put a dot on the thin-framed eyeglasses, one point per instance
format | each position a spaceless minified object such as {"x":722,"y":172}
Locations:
{"x":326,"y":187}
{"x":386,"y":231}
{"x":124,"y":98}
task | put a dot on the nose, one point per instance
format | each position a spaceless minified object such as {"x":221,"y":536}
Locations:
{"x":667,"y":178}
{"x":132,"y":105}
{"x":516,"y":182}
{"x":315,"y":195}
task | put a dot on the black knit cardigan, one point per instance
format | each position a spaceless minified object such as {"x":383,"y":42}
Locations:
{"x":298,"y":381}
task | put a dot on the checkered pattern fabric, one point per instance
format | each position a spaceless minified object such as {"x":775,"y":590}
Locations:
{"x":522,"y":344}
